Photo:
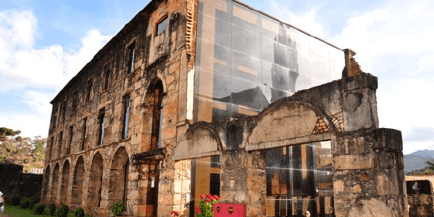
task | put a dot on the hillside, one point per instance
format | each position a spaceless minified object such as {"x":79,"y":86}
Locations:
{"x":416,"y":160}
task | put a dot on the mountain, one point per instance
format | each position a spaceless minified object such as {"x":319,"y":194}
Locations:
{"x":416,"y":160}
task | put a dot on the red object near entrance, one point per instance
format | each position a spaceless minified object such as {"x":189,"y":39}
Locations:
{"x":229,"y":210}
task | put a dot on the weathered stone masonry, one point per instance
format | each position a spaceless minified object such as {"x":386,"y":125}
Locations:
{"x":123,"y":129}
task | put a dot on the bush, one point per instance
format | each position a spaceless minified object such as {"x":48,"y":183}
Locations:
{"x":56,"y":212}
{"x":16,"y":201}
{"x":117,"y":208}
{"x":49,"y":210}
{"x":79,"y":212}
{"x":62,"y":211}
{"x":26,"y":203}
{"x":38,"y":209}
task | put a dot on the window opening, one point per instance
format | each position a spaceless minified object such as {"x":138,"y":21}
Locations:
{"x":215,"y":161}
{"x":89,"y":89}
{"x":71,"y":133}
{"x":126,"y":167}
{"x":106,"y":77}
{"x":60,"y":144}
{"x":127,"y":102}
{"x":299,"y":179}
{"x":132,"y":53}
{"x":161,"y":26}
{"x":101,"y":128}
{"x":84,"y":134}
{"x":157,"y":118}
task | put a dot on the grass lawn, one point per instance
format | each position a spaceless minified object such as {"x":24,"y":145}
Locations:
{"x":16,"y":211}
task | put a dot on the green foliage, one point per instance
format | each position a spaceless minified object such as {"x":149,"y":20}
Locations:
{"x":7,"y":132}
{"x":16,"y":201}
{"x":52,"y":209}
{"x":47,"y":211}
{"x":117,"y":208}
{"x":38,"y":209}
{"x":56,"y":212}
{"x":26,"y":203}
{"x":62,"y":211}
{"x":79,"y":212}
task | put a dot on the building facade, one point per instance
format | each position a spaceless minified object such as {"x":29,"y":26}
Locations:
{"x":198,"y":97}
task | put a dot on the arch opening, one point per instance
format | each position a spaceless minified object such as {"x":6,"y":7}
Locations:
{"x":95,"y":181}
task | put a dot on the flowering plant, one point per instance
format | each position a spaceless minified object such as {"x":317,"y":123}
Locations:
{"x":174,"y":213}
{"x":207,"y":201}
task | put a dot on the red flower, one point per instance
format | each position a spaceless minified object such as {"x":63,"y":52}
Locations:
{"x":197,"y":210}
{"x":202,"y":197}
{"x":216,"y":197}
{"x":174,"y":212}
{"x":208,"y":195}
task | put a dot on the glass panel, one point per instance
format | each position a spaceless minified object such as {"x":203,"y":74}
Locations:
{"x":299,"y":179}
{"x":258,"y":52}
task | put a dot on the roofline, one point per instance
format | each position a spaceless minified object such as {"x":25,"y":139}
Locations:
{"x":150,"y":7}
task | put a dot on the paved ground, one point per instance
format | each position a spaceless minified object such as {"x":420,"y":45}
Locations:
{"x":3,"y":214}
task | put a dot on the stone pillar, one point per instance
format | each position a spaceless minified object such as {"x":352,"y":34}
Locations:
{"x":243,"y":180}
{"x":368,"y":174}
{"x":359,"y":102}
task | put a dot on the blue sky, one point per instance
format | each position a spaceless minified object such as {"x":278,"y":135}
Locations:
{"x":43,"y":44}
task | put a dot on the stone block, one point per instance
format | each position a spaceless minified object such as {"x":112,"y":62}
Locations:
{"x":351,"y":162}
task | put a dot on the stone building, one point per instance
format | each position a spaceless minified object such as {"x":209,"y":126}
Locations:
{"x":211,"y":96}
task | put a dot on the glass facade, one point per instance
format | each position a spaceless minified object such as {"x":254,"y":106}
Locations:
{"x":300,"y":179}
{"x":245,"y":60}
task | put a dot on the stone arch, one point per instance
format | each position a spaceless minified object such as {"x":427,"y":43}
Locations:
{"x":95,"y":181}
{"x":45,"y":189}
{"x":289,"y":120}
{"x":55,"y":183}
{"x":119,"y":176}
{"x":192,"y":145}
{"x":64,"y":183}
{"x":78,"y":181}
{"x":152,"y":116}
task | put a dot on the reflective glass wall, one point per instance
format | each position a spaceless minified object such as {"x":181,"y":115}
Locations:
{"x":300,"y":179}
{"x":245,"y":60}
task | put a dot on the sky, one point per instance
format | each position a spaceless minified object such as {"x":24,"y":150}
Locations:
{"x":43,"y":44}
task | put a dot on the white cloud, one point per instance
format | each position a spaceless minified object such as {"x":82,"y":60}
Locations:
{"x":395,"y":43}
{"x":22,"y":65}
{"x":36,"y":74}
{"x":305,"y":20}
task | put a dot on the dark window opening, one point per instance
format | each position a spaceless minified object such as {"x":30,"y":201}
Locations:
{"x":101,"y":128}
{"x":214,"y":184}
{"x":157,"y":118}
{"x":106,"y":77}
{"x":152,"y":191}
{"x":54,"y":119}
{"x":84,"y":134}
{"x":89,"y":90}
{"x":131,"y":56}
{"x":64,"y":106}
{"x":418,"y":187}
{"x":50,"y":153}
{"x":127,"y":108}
{"x":161,"y":26}
{"x":126,"y":167}
{"x":71,"y":134}
{"x":60,"y":143}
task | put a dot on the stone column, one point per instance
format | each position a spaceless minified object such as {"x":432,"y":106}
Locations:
{"x":368,"y":174}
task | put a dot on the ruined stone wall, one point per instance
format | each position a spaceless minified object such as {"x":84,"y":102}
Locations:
{"x":79,"y":170}
{"x":14,"y":183}
{"x":367,"y":161}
